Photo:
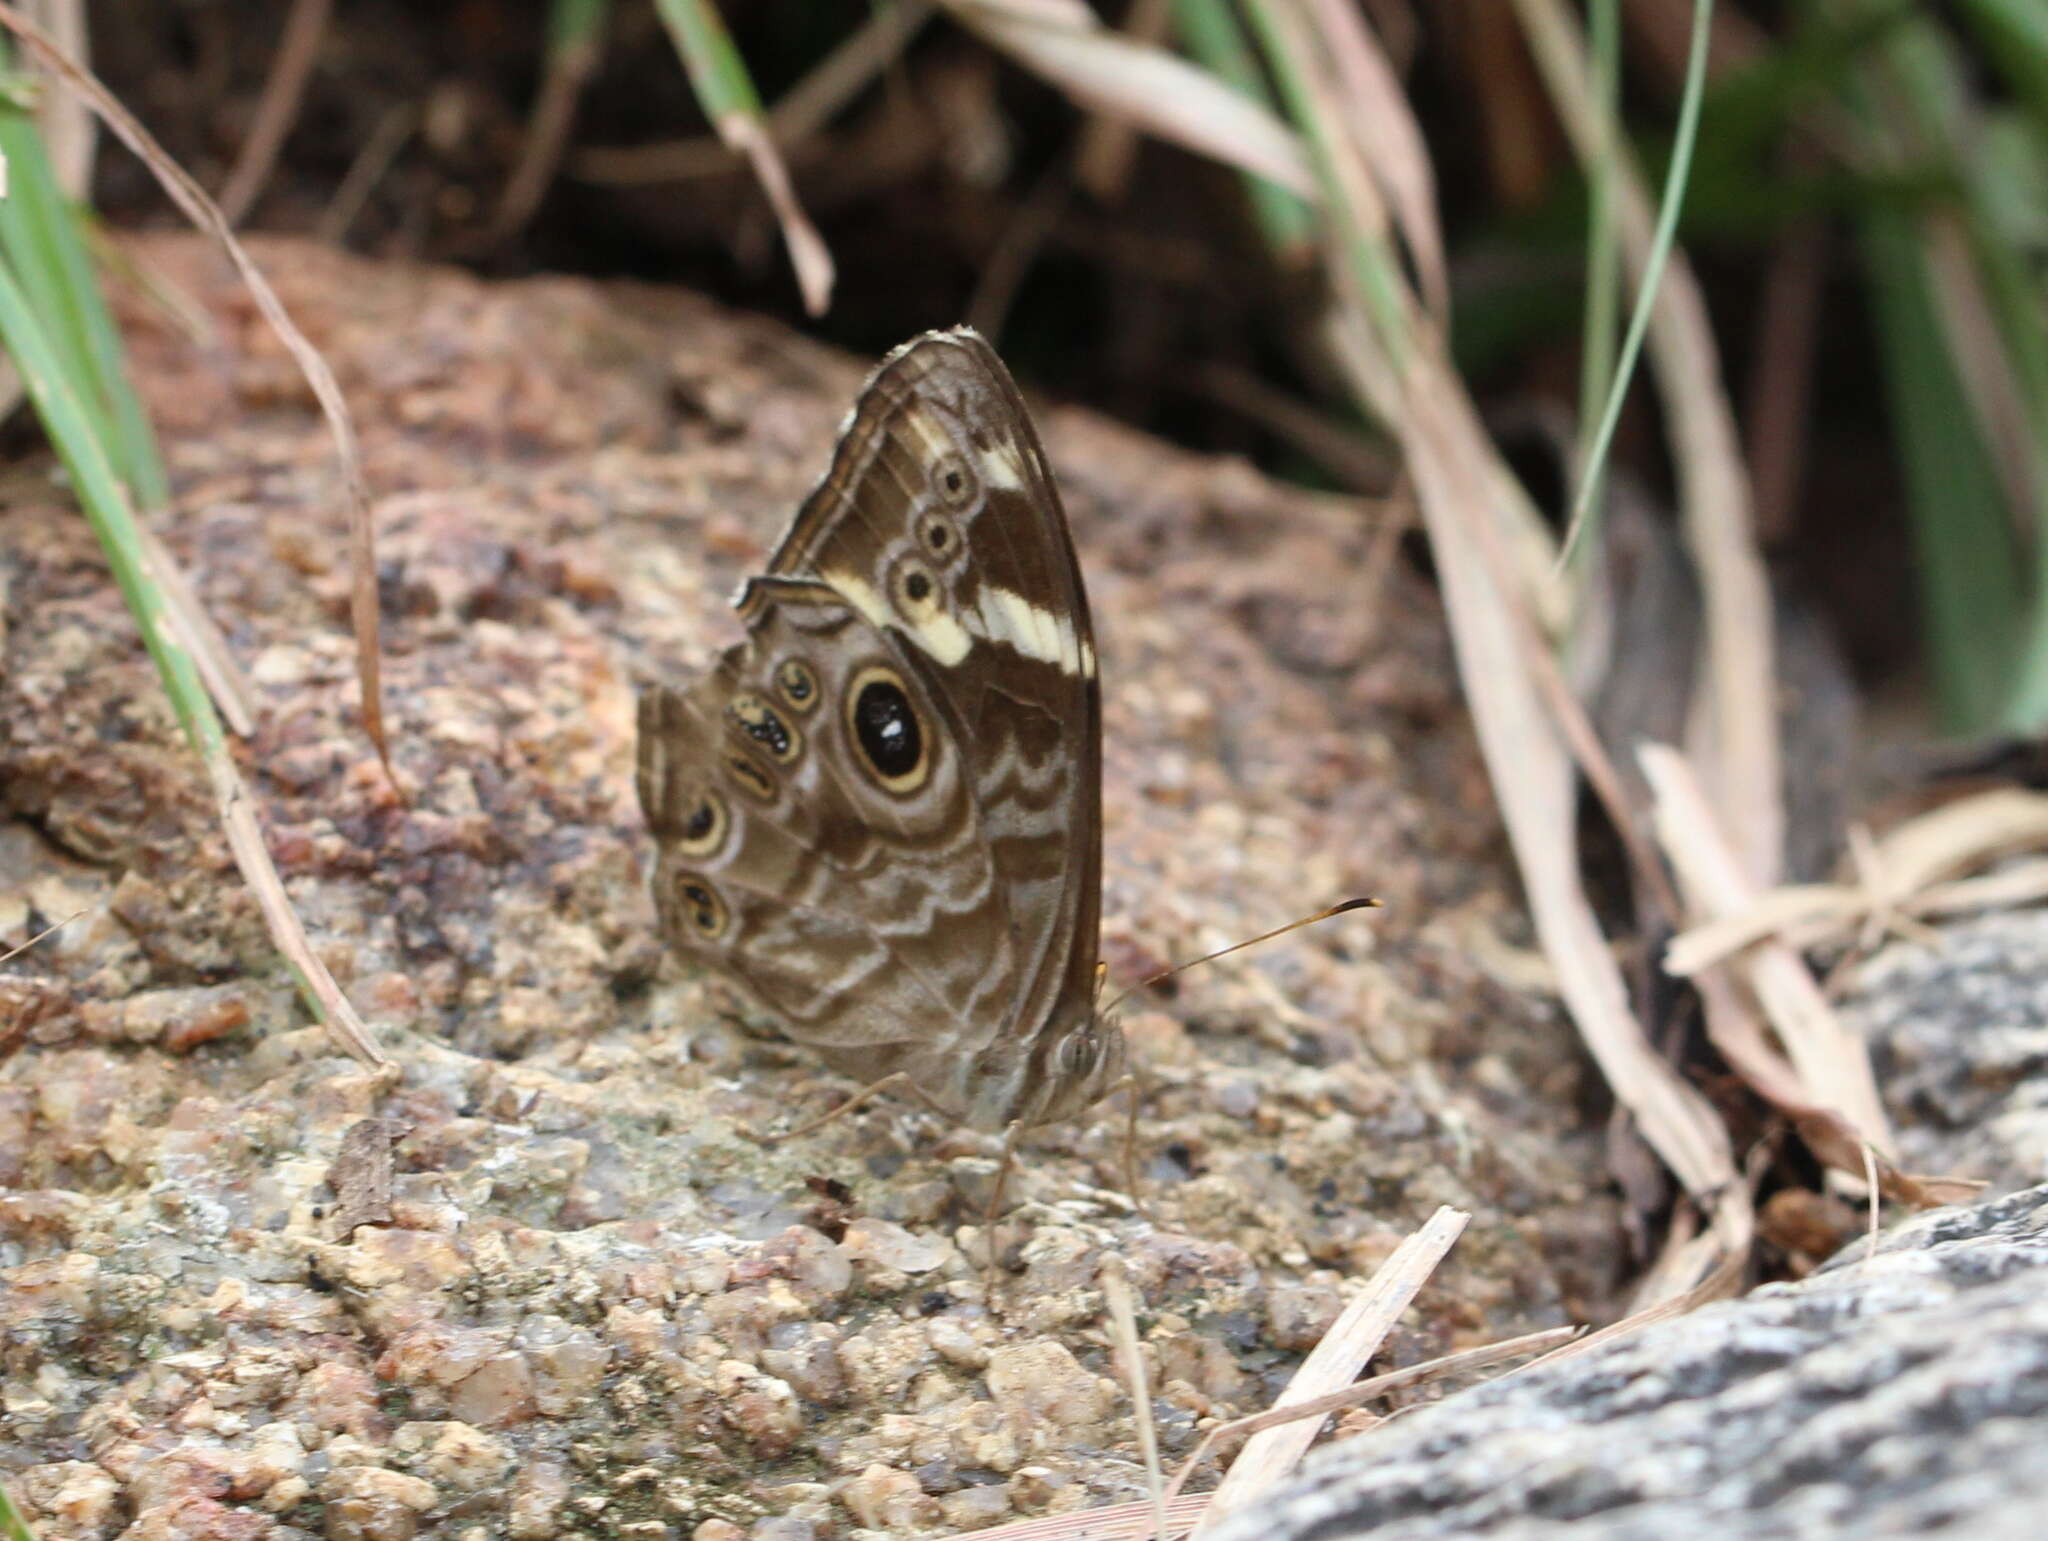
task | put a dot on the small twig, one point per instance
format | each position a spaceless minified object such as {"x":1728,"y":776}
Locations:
{"x":379,"y":150}
{"x":547,"y":131}
{"x":50,"y":930}
{"x":278,"y":108}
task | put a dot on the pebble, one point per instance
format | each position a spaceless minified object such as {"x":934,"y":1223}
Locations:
{"x":1043,"y":1381}
{"x":368,"y":1503}
{"x":888,"y":1245}
{"x":886,"y":1499}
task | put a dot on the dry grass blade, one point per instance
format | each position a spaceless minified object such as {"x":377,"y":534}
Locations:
{"x":570,"y":64}
{"x":807,"y":252}
{"x":726,"y":93}
{"x":1386,"y":130}
{"x":381,"y":147}
{"x":1366,"y":1390}
{"x":278,"y":107}
{"x":1335,"y":1361}
{"x":103,"y":498}
{"x":1156,"y":90}
{"x":1831,"y":1063}
{"x":1721,"y":1283}
{"x":1457,"y":481}
{"x":65,"y":122}
{"x":1108,"y":146}
{"x":245,"y":840}
{"x":1116,"y":1293}
{"x":1735,"y":729}
{"x":1112,"y":1522}
{"x":225,"y":681}
{"x":201,"y":210}
{"x":1470,"y":504}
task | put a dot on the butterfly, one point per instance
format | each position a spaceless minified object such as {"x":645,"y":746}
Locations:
{"x":881,"y":812}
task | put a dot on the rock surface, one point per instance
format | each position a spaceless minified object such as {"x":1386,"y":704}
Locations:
{"x":563,"y":1292}
{"x":1959,"y":1036}
{"x":1901,"y":1394}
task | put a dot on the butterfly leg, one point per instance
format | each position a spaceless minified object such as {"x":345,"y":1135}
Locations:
{"x":1130,"y":1082}
{"x":992,"y":1272}
{"x":859,"y":1099}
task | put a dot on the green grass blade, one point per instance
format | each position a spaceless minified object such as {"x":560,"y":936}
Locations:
{"x":574,"y":24}
{"x":12,"y":1526}
{"x":717,"y":73}
{"x":68,"y":420}
{"x":1603,"y":244}
{"x":1369,"y":258}
{"x":1969,"y":576}
{"x":1215,"y":39}
{"x":39,"y":232}
{"x":1653,"y":270}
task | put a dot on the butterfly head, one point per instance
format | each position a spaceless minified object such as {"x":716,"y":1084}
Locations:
{"x":1083,"y":1065}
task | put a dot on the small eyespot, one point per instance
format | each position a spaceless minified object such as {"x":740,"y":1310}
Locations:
{"x":937,"y":534}
{"x":704,"y":828}
{"x":765,"y":726}
{"x":699,"y":908}
{"x":916,"y":591}
{"x":747,"y":772}
{"x":954,"y":482}
{"x":796,"y":684}
{"x":882,"y":721}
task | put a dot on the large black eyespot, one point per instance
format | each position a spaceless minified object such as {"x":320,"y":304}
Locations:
{"x":704,"y":827}
{"x":799,"y":687}
{"x":765,"y":726}
{"x":698,"y":906}
{"x":884,"y":723}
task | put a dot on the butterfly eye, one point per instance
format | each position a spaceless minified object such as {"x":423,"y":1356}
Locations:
{"x":882,"y":721}
{"x":765,"y":726}
{"x":699,"y":907}
{"x":704,"y":827}
{"x":954,"y":482}
{"x":797,"y":685}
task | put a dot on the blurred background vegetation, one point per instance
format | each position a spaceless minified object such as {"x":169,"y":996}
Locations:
{"x":1867,"y":211}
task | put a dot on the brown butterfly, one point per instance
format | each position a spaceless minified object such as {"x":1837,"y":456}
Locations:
{"x":881,"y":813}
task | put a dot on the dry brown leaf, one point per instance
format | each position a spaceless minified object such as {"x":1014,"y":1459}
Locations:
{"x":1831,"y":1063}
{"x":1456,"y":480}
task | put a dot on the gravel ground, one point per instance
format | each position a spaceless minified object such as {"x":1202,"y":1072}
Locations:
{"x":548,"y":1283}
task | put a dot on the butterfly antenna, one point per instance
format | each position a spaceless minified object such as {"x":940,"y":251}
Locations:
{"x":1344,"y":908}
